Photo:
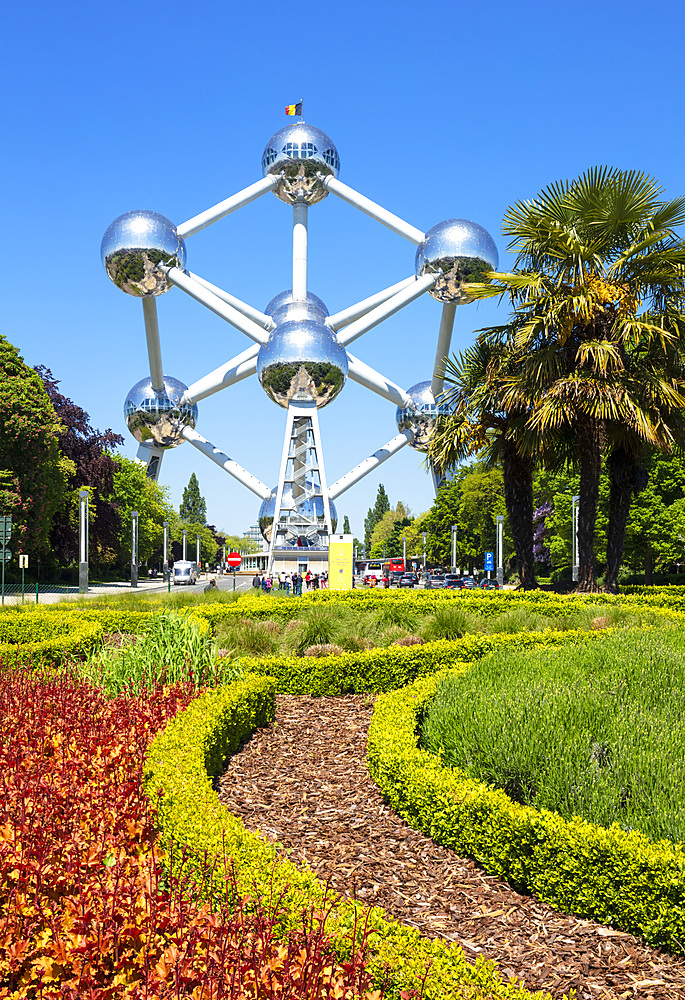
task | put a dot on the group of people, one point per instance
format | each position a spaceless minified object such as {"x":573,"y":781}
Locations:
{"x":290,"y":582}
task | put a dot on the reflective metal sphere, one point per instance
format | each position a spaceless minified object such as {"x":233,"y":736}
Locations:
{"x":302,"y":362}
{"x":421,"y":416}
{"x":133,"y":246}
{"x":463,"y":251}
{"x":299,"y":153}
{"x":159,"y":417}
{"x":305,"y":519}
{"x":283,"y":308}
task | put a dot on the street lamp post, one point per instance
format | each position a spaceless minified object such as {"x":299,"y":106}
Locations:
{"x":404,"y":552}
{"x":423,"y":537}
{"x":574,"y":541}
{"x":165,"y":564}
{"x":83,"y":497}
{"x":197,"y":553}
{"x":454,"y":548}
{"x":500,"y":549}
{"x":185,"y":544}
{"x":134,"y":548}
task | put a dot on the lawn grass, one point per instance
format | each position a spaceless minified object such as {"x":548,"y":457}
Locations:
{"x":596,"y":730}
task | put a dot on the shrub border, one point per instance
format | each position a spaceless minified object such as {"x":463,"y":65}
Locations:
{"x":606,"y":874}
{"x":177,"y":778}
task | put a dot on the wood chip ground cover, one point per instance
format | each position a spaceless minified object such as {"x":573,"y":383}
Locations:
{"x":303,"y":783}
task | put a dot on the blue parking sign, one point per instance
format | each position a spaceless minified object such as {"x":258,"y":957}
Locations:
{"x":489,"y":560}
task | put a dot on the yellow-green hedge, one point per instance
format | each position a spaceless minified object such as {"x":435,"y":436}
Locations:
{"x":607,"y":874}
{"x":178,"y":770}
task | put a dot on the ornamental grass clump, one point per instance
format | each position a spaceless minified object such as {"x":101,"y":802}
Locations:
{"x":174,"y":649}
{"x":593,"y":729}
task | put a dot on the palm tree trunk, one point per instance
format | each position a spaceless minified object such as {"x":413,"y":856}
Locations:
{"x":517,"y":472}
{"x":627,"y":477}
{"x":590,"y":439}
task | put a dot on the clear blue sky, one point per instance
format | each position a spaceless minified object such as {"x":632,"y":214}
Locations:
{"x":438,"y":111}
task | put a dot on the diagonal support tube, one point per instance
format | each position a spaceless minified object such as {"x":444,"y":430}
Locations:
{"x":227,"y":206}
{"x":217,"y":305}
{"x":349,"y":315}
{"x":376,"y":212}
{"x":260,"y":318}
{"x":370,"y":463}
{"x":226,"y":463}
{"x":377,"y":315}
{"x":235,"y":370}
{"x":443,"y":348}
{"x":154,"y":351}
{"x":360,"y":372}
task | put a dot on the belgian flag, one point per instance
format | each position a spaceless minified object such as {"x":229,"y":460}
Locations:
{"x":294,"y":109}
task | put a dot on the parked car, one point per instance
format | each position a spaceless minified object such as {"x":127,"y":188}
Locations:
{"x":408,"y":580}
{"x":435,"y":582}
{"x":489,"y":585}
{"x":461,"y":583}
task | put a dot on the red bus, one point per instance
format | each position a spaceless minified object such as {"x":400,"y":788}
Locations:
{"x":393,"y":566}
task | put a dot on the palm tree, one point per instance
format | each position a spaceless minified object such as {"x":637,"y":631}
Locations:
{"x":599,"y":278}
{"x":480,"y":423}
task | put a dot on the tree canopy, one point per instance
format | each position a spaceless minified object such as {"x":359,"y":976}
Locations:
{"x":33,"y":471}
{"x":193,"y":507}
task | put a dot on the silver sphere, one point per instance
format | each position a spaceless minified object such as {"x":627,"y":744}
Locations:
{"x":306,"y":518}
{"x":463,"y":251}
{"x":301,"y":154}
{"x":302,"y":362}
{"x":283,"y":308}
{"x":133,"y":246}
{"x":421,"y":416}
{"x":159,"y":417}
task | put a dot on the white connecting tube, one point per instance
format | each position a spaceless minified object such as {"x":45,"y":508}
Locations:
{"x":300,"y":213}
{"x":226,"y":463}
{"x":225,"y":207}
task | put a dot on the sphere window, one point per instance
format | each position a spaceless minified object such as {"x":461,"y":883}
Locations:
{"x":332,"y":159}
{"x":269,"y":157}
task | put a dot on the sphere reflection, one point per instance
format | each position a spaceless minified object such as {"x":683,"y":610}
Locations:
{"x":421,"y":416}
{"x":159,"y":417}
{"x":132,"y":248}
{"x":303,"y":517}
{"x":301,"y":154}
{"x":463,"y":251}
{"x":302,"y":362}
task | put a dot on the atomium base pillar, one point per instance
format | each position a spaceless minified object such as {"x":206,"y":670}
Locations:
{"x":302,"y":514}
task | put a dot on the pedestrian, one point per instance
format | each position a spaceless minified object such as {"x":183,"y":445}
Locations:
{"x":308,"y":578}
{"x":315,"y":581}
{"x":256,"y":583}
{"x":263,"y":584}
{"x":269,"y":584}
{"x":288,"y":583}
{"x":324,"y":581}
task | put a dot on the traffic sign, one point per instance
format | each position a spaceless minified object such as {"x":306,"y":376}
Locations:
{"x":5,"y":555}
{"x":489,"y":560}
{"x":5,"y":528}
{"x":234,"y":559}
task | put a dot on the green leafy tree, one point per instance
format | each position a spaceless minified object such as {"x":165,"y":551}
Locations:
{"x":33,"y":474}
{"x":471,"y":500}
{"x":209,"y":549}
{"x":375,"y":513}
{"x":134,"y":491}
{"x":193,"y":507}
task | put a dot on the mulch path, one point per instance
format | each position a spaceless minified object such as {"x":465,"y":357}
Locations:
{"x":304,"y":783}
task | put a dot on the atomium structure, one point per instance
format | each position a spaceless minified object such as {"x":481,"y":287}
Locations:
{"x":299,"y":352}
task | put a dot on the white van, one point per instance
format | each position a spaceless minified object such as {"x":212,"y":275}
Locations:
{"x":185,"y":572}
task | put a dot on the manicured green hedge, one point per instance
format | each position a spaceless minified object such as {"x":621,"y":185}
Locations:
{"x":606,"y":874}
{"x":180,"y":761}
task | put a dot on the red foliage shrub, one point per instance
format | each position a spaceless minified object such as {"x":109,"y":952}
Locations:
{"x":86,"y":906}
